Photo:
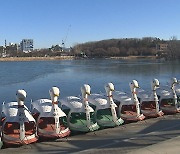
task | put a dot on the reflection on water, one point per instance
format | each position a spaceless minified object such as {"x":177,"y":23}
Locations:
{"x":37,"y":77}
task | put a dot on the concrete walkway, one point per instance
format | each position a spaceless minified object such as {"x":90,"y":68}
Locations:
{"x":171,"y":146}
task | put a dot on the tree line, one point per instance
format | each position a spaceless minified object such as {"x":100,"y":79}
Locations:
{"x":148,"y":46}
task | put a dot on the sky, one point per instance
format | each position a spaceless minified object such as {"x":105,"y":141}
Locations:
{"x":48,"y":22}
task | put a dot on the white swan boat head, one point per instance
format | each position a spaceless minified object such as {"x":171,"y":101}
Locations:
{"x":18,"y":125}
{"x":109,"y":88}
{"x":54,"y":94}
{"x":133,"y":85}
{"x":21,"y":96}
{"x":80,"y":114}
{"x":51,"y":120}
{"x":155,"y":84}
{"x":85,"y":90}
{"x":105,"y":108}
{"x":174,"y":81}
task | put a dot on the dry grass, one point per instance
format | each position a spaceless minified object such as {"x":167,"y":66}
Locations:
{"x":36,"y":58}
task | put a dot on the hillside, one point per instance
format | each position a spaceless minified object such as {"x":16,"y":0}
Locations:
{"x":129,"y":47}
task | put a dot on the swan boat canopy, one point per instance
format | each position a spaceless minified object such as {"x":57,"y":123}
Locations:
{"x":105,"y":108}
{"x":169,"y":102}
{"x":129,"y":108}
{"x":80,"y":115}
{"x":150,"y":103}
{"x":18,"y":125}
{"x":51,"y":120}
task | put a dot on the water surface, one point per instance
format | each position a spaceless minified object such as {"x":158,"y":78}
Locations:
{"x":37,"y":77}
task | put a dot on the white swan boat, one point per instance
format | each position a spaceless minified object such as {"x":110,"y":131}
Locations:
{"x":169,"y":102}
{"x":18,"y":125}
{"x":105,"y":108}
{"x":80,"y":115}
{"x":150,"y":103}
{"x":51,"y":120}
{"x":129,"y":108}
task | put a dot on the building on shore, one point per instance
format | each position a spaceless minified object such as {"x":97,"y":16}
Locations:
{"x":162,"y":47}
{"x":1,"y":51}
{"x":26,"y":45}
{"x":8,"y":50}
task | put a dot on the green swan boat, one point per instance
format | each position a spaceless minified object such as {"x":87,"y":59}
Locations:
{"x":80,"y":116}
{"x":105,"y":108}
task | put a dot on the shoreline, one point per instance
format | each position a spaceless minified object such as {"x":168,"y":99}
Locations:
{"x":135,"y":57}
{"x":68,"y":58}
{"x":36,"y":58}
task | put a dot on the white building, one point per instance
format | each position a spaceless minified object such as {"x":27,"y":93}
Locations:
{"x":26,"y":45}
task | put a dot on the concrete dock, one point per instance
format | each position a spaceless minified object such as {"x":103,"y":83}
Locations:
{"x":152,"y":136}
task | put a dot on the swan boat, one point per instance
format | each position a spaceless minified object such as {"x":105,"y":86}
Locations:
{"x":18,"y":125}
{"x":105,"y":108}
{"x":169,"y":102}
{"x":81,"y":116}
{"x":150,"y":103}
{"x":129,"y":108}
{"x":51,"y":120}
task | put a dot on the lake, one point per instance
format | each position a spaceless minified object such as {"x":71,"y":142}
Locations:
{"x":37,"y":77}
